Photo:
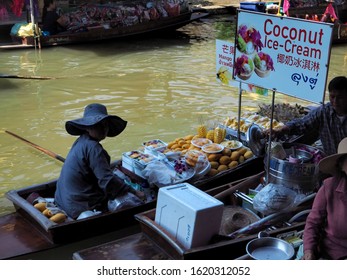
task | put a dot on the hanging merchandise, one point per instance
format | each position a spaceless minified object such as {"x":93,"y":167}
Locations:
{"x":17,"y":7}
{"x":4,"y":5}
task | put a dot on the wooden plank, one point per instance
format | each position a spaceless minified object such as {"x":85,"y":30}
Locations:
{"x":19,"y":237}
{"x":133,"y":247}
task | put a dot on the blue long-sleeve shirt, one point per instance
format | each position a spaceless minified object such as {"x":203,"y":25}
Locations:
{"x":323,"y":119}
{"x":86,"y":180}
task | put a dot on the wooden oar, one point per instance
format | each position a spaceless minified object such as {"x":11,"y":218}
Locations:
{"x":234,"y":186}
{"x":48,"y":152}
{"x":26,"y":77}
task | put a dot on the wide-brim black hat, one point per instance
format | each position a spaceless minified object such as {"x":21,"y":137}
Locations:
{"x":93,"y":114}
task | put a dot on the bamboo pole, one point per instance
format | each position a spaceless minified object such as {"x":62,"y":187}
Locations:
{"x":47,"y":152}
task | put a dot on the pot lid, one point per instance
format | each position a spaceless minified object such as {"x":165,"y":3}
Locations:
{"x":256,"y":140}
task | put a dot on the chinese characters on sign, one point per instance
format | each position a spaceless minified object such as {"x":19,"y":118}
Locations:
{"x":224,"y":62}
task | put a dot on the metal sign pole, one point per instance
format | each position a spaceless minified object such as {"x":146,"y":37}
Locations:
{"x":270,"y":137}
{"x":239,"y":114}
{"x":35,"y":26}
{"x":33,"y":19}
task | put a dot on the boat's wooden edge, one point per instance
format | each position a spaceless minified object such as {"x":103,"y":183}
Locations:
{"x":15,"y":46}
{"x":159,"y":235}
{"x":242,"y":185}
{"x":28,"y":208}
{"x":250,"y":167}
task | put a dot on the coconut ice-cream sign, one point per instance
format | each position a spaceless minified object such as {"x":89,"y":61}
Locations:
{"x":287,"y":55}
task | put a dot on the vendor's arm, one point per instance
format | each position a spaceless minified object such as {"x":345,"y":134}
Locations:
{"x":315,"y":223}
{"x":302,"y":125}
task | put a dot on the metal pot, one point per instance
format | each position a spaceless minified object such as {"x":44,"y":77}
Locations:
{"x":270,"y":248}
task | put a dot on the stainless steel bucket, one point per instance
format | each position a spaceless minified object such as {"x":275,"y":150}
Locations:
{"x":302,"y":176}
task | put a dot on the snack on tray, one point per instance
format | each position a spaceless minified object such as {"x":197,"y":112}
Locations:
{"x":283,"y":112}
{"x":212,"y":148}
{"x":155,"y":144}
{"x":232,"y":144}
{"x":233,"y":124}
{"x":199,"y":142}
{"x":248,"y":118}
{"x":140,"y":157}
{"x":193,"y":157}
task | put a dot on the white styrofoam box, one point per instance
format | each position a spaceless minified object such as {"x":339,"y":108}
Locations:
{"x":189,"y":214}
{"x":136,"y":164}
{"x":154,"y":146}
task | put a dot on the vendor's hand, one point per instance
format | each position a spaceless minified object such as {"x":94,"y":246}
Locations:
{"x":309,"y":255}
{"x":278,"y":132}
{"x":140,"y":195}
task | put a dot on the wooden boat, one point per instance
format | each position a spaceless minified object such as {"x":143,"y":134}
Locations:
{"x":44,"y":234}
{"x":309,"y":11}
{"x":154,"y":242}
{"x":339,"y":34}
{"x":316,"y":12}
{"x":102,"y":32}
{"x":28,"y":231}
{"x":297,"y":9}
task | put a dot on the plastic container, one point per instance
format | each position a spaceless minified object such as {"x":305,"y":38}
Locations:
{"x":254,"y":6}
{"x":193,"y":157}
{"x":201,"y":169}
{"x":156,"y":145}
{"x":136,"y":161}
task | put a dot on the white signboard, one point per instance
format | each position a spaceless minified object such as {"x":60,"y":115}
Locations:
{"x":285,"y":54}
{"x":224,"y":67}
{"x":225,"y":62}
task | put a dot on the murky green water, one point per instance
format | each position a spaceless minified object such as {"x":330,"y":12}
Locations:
{"x":161,"y":85}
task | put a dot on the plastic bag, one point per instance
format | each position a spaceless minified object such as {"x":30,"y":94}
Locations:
{"x":15,"y":28}
{"x":274,"y":198}
{"x":123,"y":201}
{"x":87,"y":214}
{"x":158,"y":173}
{"x":26,"y":30}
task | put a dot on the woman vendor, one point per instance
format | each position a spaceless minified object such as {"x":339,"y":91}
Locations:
{"x":50,"y":18}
